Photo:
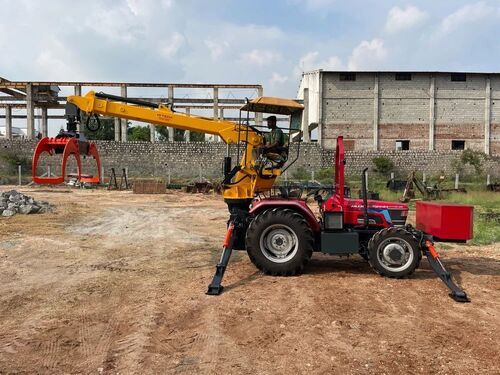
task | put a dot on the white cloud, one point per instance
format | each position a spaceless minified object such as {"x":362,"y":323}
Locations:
{"x":317,"y":5}
{"x":171,"y":47}
{"x":310,"y":61}
{"x":216,"y":48}
{"x":277,"y":78}
{"x":469,"y":13}
{"x":54,"y":62}
{"x":367,"y":55}
{"x":119,"y":23}
{"x":400,"y":19}
{"x":260,"y":57}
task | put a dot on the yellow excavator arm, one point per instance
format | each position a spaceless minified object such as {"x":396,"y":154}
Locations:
{"x":247,"y":179}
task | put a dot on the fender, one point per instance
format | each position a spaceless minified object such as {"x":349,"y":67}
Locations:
{"x":297,"y":205}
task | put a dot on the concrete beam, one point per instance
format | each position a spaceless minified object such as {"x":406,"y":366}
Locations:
{"x":487,"y":117}
{"x":187,"y":133}
{"x":152,"y":134}
{"x":216,"y":109}
{"x":258,"y":116}
{"x":306,"y":135}
{"x":123,"y":92}
{"x":376,"y":112}
{"x":78,"y":92}
{"x":21,"y":85}
{"x":117,"y":129}
{"x":8,"y":122}
{"x":45,"y":122}
{"x":171,"y":102}
{"x":30,"y":112}
{"x":432,"y":112}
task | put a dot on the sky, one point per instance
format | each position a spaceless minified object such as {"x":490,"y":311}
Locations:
{"x":228,"y":41}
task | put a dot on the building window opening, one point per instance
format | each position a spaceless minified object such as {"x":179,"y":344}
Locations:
{"x":458,"y":77}
{"x":402,"y":145}
{"x":458,"y":145}
{"x":403,"y":76}
{"x":347,"y":76}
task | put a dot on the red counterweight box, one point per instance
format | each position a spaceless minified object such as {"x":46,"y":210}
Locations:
{"x":445,"y":221}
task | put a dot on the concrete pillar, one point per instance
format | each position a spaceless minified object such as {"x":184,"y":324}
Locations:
{"x":171,"y":103}
{"x":30,"y":112}
{"x":45,"y":122}
{"x":376,"y":114}
{"x":78,"y":92}
{"x":117,"y":129}
{"x":306,"y":136}
{"x":124,"y":121}
{"x":8,"y":122}
{"x":216,"y":110}
{"x":152,"y":133}
{"x":487,"y":117}
{"x":432,"y":112}
{"x":258,"y":116}
{"x":187,"y":133}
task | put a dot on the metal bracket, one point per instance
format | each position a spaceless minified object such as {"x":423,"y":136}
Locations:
{"x":457,"y":293}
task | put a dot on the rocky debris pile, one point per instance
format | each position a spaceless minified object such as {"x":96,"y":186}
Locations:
{"x":13,"y":202}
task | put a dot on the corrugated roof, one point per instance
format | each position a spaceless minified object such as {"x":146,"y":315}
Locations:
{"x":268,"y":104}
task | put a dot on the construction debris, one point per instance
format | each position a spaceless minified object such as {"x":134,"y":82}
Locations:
{"x":13,"y":202}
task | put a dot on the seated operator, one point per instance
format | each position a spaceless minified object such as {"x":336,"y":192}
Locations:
{"x":275,"y":141}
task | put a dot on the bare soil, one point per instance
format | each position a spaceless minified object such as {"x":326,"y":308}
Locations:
{"x":115,"y":283}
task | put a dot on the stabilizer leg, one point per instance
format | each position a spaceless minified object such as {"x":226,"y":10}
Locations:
{"x":215,"y":288}
{"x":457,"y":293}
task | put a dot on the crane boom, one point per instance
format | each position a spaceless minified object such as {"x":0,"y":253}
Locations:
{"x":244,"y":181}
{"x":162,"y":115}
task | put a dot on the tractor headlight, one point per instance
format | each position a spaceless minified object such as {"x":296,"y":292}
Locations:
{"x":333,"y":220}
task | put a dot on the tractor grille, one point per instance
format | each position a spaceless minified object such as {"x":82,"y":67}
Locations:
{"x":397,"y":217}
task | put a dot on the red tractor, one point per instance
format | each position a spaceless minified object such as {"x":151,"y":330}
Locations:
{"x":281,"y":233}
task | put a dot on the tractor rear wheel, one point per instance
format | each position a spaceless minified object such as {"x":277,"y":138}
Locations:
{"x":279,"y":242}
{"x":394,"y":252}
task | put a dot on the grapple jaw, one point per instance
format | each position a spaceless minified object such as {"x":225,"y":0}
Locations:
{"x":66,"y":146}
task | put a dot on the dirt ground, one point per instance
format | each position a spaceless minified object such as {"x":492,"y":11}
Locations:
{"x":114,"y":282}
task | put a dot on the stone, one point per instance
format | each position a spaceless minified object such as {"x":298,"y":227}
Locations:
{"x":25,"y":209}
{"x":8,"y":213}
{"x":14,"y":198}
{"x":11,"y":206}
{"x":34,"y":209}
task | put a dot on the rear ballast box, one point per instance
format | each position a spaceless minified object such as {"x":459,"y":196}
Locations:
{"x":446,"y":222}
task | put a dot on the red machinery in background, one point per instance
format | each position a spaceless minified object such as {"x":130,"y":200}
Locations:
{"x":68,"y":143}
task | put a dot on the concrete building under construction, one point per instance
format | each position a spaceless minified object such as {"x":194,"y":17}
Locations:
{"x":403,"y":110}
{"x":26,"y":102}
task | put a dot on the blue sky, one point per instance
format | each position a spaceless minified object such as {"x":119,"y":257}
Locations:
{"x":224,"y":41}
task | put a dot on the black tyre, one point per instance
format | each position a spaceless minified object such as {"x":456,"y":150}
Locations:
{"x":279,"y":242}
{"x":394,"y":252}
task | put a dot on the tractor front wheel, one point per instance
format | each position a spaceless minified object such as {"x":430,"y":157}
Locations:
{"x":394,"y":252}
{"x":279,"y":242}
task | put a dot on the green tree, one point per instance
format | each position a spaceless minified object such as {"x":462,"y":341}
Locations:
{"x":383,"y":164}
{"x":178,"y":135}
{"x":105,"y":133}
{"x":139,"y":133}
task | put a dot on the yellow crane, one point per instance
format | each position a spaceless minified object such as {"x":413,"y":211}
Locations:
{"x":256,"y":172}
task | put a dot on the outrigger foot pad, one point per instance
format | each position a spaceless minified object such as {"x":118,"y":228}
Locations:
{"x":457,"y":293}
{"x":215,"y":288}
{"x":459,"y":296}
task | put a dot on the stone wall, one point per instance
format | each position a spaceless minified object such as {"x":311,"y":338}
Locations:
{"x":190,"y":159}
